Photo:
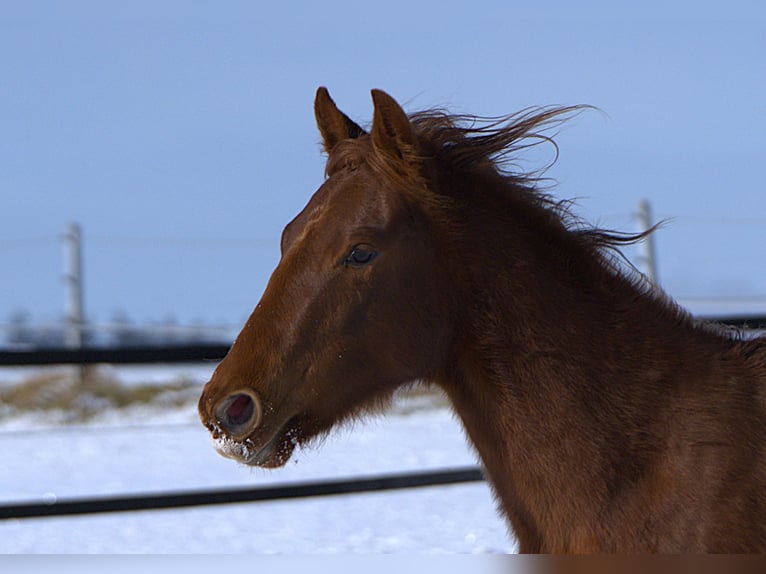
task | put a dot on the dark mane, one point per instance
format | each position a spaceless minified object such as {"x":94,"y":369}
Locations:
{"x":470,"y":144}
{"x":464,"y":143}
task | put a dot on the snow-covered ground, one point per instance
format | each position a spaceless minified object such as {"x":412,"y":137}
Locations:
{"x":158,"y":450}
{"x":126,"y":374}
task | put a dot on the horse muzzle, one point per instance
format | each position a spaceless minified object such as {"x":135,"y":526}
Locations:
{"x":239,"y":414}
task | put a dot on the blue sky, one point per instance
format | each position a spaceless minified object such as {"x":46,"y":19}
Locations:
{"x":180,"y":134}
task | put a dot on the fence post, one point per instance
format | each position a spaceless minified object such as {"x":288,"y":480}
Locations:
{"x":647,"y":259}
{"x":73,"y":279}
{"x":73,"y":335}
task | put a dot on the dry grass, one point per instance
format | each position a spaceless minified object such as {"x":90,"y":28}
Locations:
{"x":88,"y":391}
{"x":83,"y":393}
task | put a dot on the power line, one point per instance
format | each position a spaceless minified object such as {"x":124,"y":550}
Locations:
{"x":28,"y":242}
{"x":104,"y":240}
{"x":718,"y":220}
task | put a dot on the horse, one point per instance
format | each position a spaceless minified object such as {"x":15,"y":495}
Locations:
{"x":606,"y":418}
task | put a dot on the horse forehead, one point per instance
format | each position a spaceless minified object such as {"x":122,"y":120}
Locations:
{"x":348,"y":199}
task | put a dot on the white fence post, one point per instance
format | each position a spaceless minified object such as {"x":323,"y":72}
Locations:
{"x":647,"y":259}
{"x":73,"y":279}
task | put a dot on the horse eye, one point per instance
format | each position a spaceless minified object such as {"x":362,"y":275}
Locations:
{"x":359,"y":256}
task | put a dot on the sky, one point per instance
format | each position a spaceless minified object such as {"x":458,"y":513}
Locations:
{"x":180,"y":134}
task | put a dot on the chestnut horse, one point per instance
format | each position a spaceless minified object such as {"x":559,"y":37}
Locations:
{"x":606,"y":418}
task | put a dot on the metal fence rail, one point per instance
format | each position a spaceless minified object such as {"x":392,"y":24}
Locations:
{"x":123,"y":356}
{"x":267,"y":493}
{"x":214,"y":353}
{"x":198,"y":352}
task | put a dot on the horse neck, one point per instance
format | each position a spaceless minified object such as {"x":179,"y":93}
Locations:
{"x":558,"y":361}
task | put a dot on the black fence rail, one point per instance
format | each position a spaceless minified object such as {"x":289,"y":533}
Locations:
{"x":214,"y":353}
{"x":745,"y":322}
{"x":146,"y":355}
{"x":200,"y":353}
{"x":267,"y":493}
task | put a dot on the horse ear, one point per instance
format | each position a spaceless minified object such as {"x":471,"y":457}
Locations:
{"x":333,"y":124}
{"x":391,"y":129}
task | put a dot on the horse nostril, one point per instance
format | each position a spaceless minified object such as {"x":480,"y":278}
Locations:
{"x":239,"y":413}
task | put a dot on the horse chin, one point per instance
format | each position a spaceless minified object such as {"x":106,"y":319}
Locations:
{"x":274,"y":454}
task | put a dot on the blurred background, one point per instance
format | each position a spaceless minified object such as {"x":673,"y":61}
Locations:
{"x":180,"y":136}
{"x":152,"y":152}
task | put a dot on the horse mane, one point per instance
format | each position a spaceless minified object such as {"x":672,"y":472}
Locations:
{"x":473,"y":143}
{"x":468,"y":144}
{"x":465,"y":141}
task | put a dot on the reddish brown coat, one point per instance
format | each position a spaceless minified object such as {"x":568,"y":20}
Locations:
{"x":607,"y":419}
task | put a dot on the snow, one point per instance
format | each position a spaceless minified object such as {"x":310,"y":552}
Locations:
{"x":159,"y":450}
{"x":126,"y":374}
